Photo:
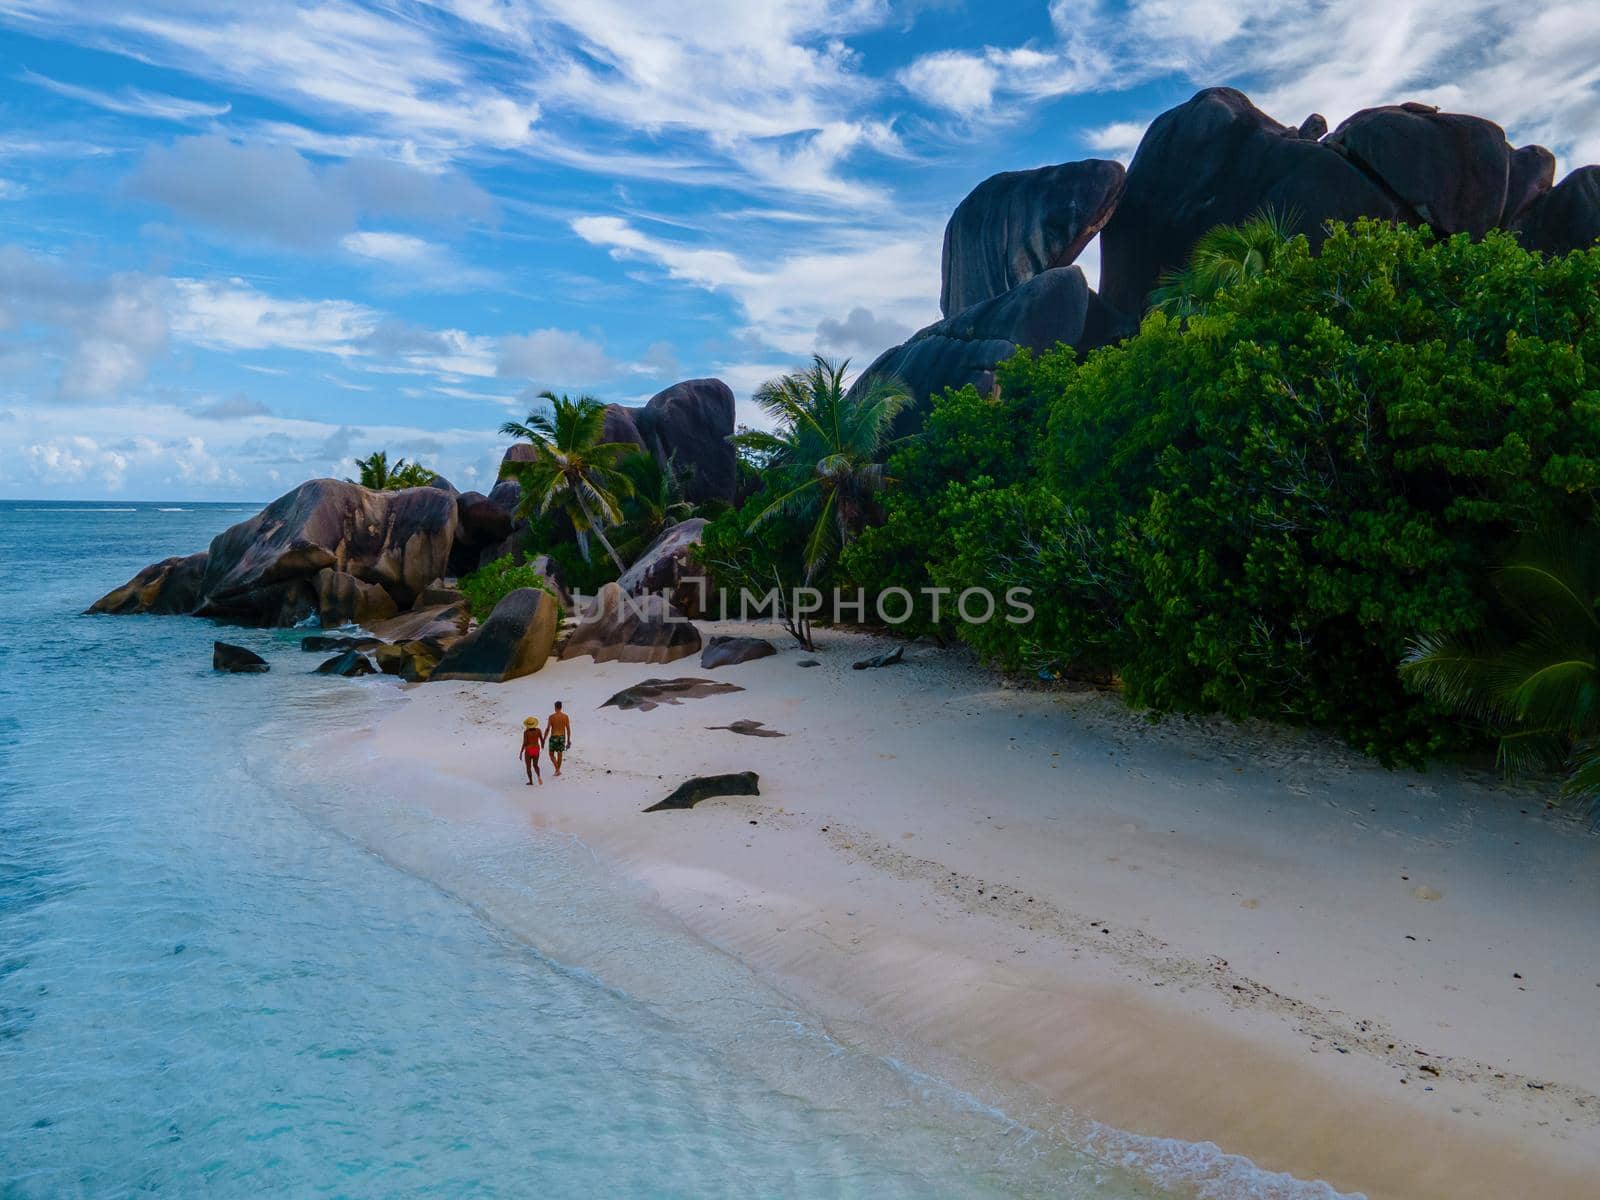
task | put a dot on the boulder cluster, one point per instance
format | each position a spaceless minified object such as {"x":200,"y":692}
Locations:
{"x":335,"y":553}
{"x":1008,"y":276}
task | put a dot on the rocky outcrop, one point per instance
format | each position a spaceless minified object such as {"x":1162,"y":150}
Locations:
{"x":342,"y":599}
{"x":689,"y":424}
{"x":262,"y":571}
{"x":1531,"y":174}
{"x":413,"y":661}
{"x":170,"y":587}
{"x":649,"y":693}
{"x":444,"y":623}
{"x":516,"y":640}
{"x":1019,"y":224}
{"x":351,"y":664}
{"x":704,"y":787}
{"x":1565,"y":218}
{"x":320,"y":642}
{"x":1219,"y":160}
{"x":482,"y":521}
{"x":722,"y":651}
{"x":1446,"y":170}
{"x":236,"y":660}
{"x":1054,"y":306}
{"x":615,"y":627}
{"x":669,"y":566}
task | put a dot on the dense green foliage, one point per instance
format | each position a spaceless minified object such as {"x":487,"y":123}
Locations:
{"x":1533,"y":676}
{"x":490,"y":584}
{"x":1254,"y":510}
{"x":823,"y":458}
{"x":572,"y":471}
{"x":377,"y":473}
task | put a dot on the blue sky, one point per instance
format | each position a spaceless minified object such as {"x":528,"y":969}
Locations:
{"x":243,"y":242}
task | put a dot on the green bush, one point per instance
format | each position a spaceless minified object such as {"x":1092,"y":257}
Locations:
{"x":1253,"y":511}
{"x":490,"y":584}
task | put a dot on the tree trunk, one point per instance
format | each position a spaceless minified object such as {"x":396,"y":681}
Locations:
{"x":598,"y":532}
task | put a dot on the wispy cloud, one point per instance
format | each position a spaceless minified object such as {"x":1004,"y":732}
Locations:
{"x":131,"y":102}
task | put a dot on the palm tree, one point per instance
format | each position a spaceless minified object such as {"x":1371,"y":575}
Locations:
{"x":655,"y":500}
{"x":572,"y":468}
{"x":377,"y":474}
{"x":375,"y":470}
{"x":1538,"y":689}
{"x":824,"y":452}
{"x":1223,"y":257}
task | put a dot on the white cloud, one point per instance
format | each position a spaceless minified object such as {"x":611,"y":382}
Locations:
{"x":132,"y":102}
{"x":11,"y":190}
{"x":557,"y":359}
{"x":949,"y":79}
{"x":785,"y":300}
{"x":272,"y":192}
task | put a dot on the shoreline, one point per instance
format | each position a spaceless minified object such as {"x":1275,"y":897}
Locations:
{"x":1245,"y":937}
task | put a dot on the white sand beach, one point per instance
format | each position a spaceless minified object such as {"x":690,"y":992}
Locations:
{"x":1389,"y":981}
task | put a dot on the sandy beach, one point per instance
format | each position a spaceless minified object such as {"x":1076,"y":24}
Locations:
{"x":1252,"y":937}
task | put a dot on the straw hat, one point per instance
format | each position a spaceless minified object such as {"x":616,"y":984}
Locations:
{"x":530,"y":723}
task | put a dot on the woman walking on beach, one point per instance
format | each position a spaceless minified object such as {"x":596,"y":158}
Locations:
{"x":532,"y":739}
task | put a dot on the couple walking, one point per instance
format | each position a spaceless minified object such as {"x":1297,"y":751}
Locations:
{"x":558,"y":739}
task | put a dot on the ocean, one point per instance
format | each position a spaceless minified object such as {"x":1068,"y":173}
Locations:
{"x":228,"y":970}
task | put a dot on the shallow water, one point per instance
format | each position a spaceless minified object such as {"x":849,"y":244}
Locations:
{"x":225,"y":971}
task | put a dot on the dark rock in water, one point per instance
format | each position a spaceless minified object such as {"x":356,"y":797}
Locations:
{"x":1447,"y":170}
{"x":1019,"y":224}
{"x":614,"y":627}
{"x":236,"y":659}
{"x":723,"y":651}
{"x":648,"y":693}
{"x":1218,"y":160}
{"x":749,"y":729}
{"x":1054,"y":306}
{"x":516,"y":640}
{"x":350,"y":664}
{"x":342,"y":599}
{"x":170,"y":587}
{"x":262,"y":571}
{"x":668,"y":566}
{"x":887,"y":659}
{"x":1313,"y":127}
{"x":704,"y":787}
{"x":324,"y":642}
{"x":1565,"y":218}
{"x":808,"y":662}
{"x":1533,"y":171}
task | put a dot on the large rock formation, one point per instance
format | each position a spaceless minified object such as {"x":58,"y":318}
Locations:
{"x":342,"y":599}
{"x":262,"y":571}
{"x":1219,"y":160}
{"x":516,"y":640}
{"x":1446,"y":170}
{"x":669,"y":566}
{"x":615,"y":627}
{"x":168,"y":588}
{"x":1565,"y":218}
{"x":1019,"y":224}
{"x":1054,"y":306}
{"x":690,"y":424}
{"x":482,"y":522}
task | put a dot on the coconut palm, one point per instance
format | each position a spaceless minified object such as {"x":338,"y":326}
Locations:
{"x":655,"y":500}
{"x":824,"y":451}
{"x":1538,"y":685}
{"x":1223,"y":258}
{"x":377,"y":473}
{"x":572,"y":468}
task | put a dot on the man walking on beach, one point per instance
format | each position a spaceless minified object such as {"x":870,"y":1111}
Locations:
{"x":560,"y":736}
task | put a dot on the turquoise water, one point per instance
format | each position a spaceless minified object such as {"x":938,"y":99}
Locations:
{"x":225,"y":972}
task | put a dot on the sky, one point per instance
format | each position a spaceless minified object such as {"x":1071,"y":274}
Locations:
{"x":242,"y":243}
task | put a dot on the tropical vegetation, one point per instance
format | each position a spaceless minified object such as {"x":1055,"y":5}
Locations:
{"x":376,"y":472}
{"x":492,"y":582}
